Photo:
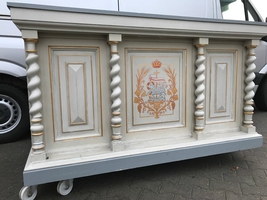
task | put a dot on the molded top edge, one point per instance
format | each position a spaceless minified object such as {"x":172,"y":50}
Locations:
{"x":126,"y":14}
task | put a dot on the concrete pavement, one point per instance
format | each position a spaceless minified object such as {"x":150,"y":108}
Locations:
{"x":233,"y":176}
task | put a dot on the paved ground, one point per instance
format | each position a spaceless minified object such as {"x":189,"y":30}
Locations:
{"x":233,"y":176}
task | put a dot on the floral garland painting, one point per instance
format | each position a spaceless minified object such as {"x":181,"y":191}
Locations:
{"x":155,"y":94}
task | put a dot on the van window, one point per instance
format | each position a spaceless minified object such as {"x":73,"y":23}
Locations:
{"x":185,"y":8}
{"x":238,"y":9}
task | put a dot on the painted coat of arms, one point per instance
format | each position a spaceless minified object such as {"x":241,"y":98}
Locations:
{"x":156,"y":92}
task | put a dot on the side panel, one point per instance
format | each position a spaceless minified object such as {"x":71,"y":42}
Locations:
{"x":221,"y":86}
{"x":73,"y":93}
{"x":75,"y":75}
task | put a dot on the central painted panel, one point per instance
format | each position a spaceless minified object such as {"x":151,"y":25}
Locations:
{"x":155,"y":88}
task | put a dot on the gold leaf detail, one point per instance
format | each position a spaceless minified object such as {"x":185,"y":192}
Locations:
{"x":137,"y":92}
{"x":174,"y":90}
{"x":136,"y":100}
{"x":139,"y":108}
{"x":173,"y":105}
{"x":143,"y":94}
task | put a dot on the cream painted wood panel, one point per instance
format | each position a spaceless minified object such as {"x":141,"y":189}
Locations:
{"x":74,"y":81}
{"x":221,"y":86}
{"x":155,"y":88}
{"x":182,"y":90}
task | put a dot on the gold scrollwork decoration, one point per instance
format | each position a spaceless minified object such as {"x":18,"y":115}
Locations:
{"x":155,"y":95}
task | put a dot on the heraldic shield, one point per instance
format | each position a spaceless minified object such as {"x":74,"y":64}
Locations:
{"x":158,"y":95}
{"x":157,"y":85}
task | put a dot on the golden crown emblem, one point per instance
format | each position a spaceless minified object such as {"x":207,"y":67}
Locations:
{"x":156,"y":64}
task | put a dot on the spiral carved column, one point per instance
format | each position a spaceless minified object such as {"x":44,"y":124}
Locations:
{"x":116,"y":121}
{"x":249,"y":86}
{"x":200,"y":88}
{"x":34,"y":80}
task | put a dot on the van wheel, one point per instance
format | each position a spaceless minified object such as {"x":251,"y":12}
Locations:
{"x":14,"y":113}
{"x":260,"y":98}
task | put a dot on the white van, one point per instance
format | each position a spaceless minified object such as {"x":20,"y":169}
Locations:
{"x":14,"y":117}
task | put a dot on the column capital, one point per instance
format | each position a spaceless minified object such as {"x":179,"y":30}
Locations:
{"x":252,"y":43}
{"x":201,"y":42}
{"x":114,"y":38}
{"x":29,"y":35}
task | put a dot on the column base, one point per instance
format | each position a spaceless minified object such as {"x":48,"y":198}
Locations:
{"x":38,"y":156}
{"x":117,"y":145}
{"x":199,"y":135}
{"x":248,"y":129}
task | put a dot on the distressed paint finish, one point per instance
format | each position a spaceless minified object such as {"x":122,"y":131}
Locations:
{"x":156,"y":138}
{"x":116,"y":144}
{"x":200,"y":87}
{"x":249,"y":85}
{"x":35,"y":93}
{"x":221,"y":85}
{"x":75,"y":78}
{"x":116,"y":91}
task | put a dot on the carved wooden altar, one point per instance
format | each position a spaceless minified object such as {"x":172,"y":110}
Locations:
{"x":110,"y":91}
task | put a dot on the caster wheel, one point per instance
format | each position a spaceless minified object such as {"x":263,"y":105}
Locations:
{"x":28,"y":193}
{"x":65,"y":187}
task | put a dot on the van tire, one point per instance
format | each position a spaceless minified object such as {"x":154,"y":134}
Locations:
{"x":260,"y":98}
{"x":14,"y":113}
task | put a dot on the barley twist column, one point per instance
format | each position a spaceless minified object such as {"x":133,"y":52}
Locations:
{"x":34,"y":80}
{"x":116,"y":143}
{"x":249,"y":86}
{"x":200,"y":88}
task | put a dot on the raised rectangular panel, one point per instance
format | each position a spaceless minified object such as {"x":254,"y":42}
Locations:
{"x":221,"y":86}
{"x":155,"y":88}
{"x":74,"y":83}
{"x":76,"y":92}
